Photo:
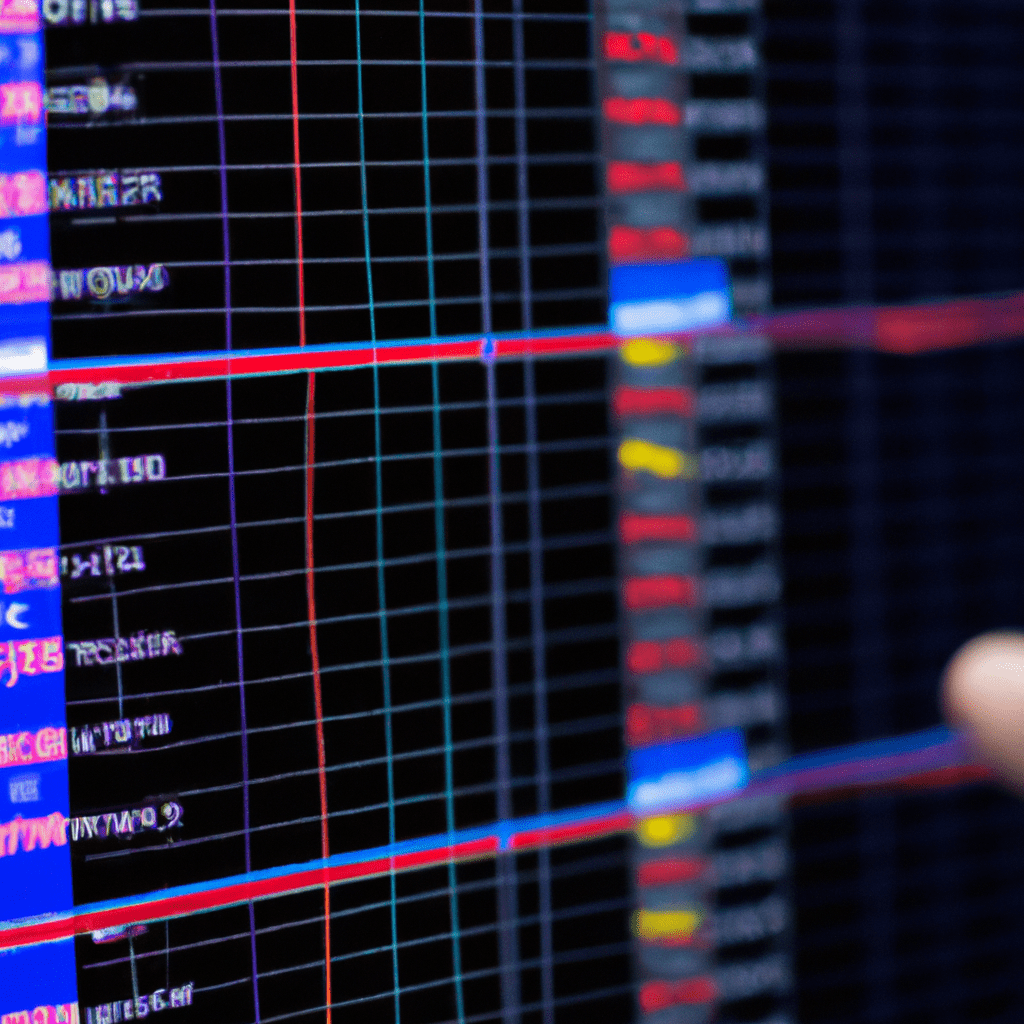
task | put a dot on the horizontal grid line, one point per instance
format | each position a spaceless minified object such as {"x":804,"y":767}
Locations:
{"x":590,"y":863}
{"x":573,"y":444}
{"x":555,"y":637}
{"x":540,"y":294}
{"x":594,"y":770}
{"x":551,"y":494}
{"x":518,"y":594}
{"x":571,"y":398}
{"x":556,"y":684}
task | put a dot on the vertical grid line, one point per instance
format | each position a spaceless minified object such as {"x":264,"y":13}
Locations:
{"x":232,"y":502}
{"x":853,"y":117}
{"x":446,"y":687}
{"x":439,"y":540}
{"x":310,"y":443}
{"x":482,"y":184}
{"x":522,"y":168}
{"x":541,"y":737}
{"x":385,"y":657}
{"x":427,"y":200}
{"x":537,"y":635}
{"x":505,"y":866}
{"x":385,"y":665}
{"x":362,"y":184}
{"x":243,"y":718}
{"x":297,"y":171}
{"x":104,"y":447}
{"x":314,"y":653}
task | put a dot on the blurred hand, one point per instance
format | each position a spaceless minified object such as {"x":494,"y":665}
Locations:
{"x":983,"y":693}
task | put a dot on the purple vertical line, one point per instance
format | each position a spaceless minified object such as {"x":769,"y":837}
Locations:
{"x":505,"y":867}
{"x":235,"y":572}
{"x":541,"y":738}
{"x":483,"y":191}
{"x":522,"y":170}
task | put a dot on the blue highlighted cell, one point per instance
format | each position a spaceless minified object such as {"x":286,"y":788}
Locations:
{"x":687,"y":772}
{"x":670,"y":297}
{"x":38,"y":976}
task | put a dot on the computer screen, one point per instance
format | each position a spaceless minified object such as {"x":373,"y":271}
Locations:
{"x":489,"y":488}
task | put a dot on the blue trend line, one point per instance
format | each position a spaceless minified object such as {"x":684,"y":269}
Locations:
{"x":871,"y":763}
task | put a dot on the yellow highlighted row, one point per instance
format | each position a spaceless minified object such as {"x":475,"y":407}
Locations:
{"x":666,"y":830}
{"x":653,"y":925}
{"x":662,"y":461}
{"x":649,"y":352}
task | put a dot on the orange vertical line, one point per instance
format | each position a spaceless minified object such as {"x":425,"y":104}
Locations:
{"x":321,"y":755}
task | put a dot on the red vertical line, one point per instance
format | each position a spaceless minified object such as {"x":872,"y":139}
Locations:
{"x":321,"y":754}
{"x":314,"y":651}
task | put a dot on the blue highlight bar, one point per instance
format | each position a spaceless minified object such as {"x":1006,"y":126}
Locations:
{"x":670,"y":297}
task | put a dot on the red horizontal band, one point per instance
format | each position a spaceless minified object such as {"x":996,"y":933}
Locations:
{"x":646,"y":245}
{"x":631,"y":176}
{"x":653,"y":401}
{"x":640,"y":46}
{"x":573,"y":832}
{"x":640,"y":593}
{"x":242,"y":892}
{"x":646,"y":724}
{"x":623,"y":110}
{"x":634,"y":529}
{"x":659,"y":995}
{"x":674,"y":871}
{"x":646,"y":656}
{"x":303,"y":360}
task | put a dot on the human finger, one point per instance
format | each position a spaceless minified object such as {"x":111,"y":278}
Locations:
{"x":983,"y":693}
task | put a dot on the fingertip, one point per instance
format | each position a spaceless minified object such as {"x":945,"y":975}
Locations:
{"x":983,"y":693}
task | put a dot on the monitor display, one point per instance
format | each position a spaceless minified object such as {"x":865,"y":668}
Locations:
{"x":488,"y":489}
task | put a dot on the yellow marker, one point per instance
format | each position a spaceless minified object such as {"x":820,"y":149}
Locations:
{"x":668,"y":463}
{"x":666,"y":830}
{"x":649,"y":352}
{"x":652,"y":925}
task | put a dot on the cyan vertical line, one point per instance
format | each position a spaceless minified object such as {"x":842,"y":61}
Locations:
{"x":218,"y":93}
{"x":427,"y":200}
{"x":362,"y":178}
{"x":385,"y":657}
{"x":446,"y":687}
{"x":442,"y":566}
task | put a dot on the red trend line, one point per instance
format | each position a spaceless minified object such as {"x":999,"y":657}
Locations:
{"x":899,"y":330}
{"x":314,"y":651}
{"x":918,"y":769}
